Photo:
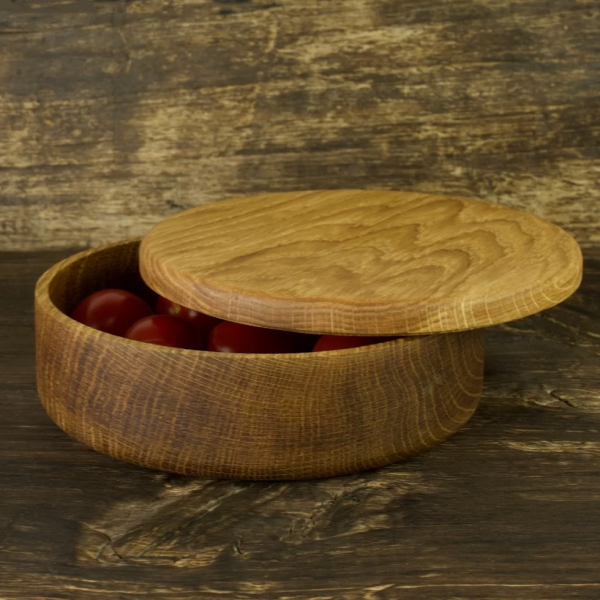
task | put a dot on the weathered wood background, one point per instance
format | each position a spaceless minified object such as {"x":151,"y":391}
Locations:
{"x":114,"y":115}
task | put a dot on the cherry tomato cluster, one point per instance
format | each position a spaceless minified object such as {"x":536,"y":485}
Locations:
{"x":124,"y":314}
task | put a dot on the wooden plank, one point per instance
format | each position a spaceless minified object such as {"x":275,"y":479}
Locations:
{"x":115,"y":115}
{"x":505,"y":510}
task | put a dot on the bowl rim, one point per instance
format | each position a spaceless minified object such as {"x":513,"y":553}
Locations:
{"x":45,"y":303}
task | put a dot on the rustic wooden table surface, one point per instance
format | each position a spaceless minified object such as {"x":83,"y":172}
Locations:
{"x":507,"y":509}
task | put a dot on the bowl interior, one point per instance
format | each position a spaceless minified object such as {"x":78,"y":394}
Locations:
{"x":114,"y":266}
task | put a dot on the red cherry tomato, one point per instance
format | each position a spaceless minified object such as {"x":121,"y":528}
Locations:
{"x":235,"y":337}
{"x":341,"y":342}
{"x":164,"y":330}
{"x":202,"y":323}
{"x":112,"y":311}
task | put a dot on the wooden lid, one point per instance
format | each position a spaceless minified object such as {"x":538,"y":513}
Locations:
{"x":361,"y":262}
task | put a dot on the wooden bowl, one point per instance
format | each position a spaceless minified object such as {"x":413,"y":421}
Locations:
{"x":242,"y":416}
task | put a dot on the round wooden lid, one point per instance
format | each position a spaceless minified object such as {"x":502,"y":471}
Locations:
{"x":361,"y":262}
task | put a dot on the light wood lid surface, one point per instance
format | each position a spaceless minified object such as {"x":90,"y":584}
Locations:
{"x":361,"y":262}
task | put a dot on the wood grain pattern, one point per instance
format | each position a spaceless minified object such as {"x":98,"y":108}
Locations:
{"x":115,"y":115}
{"x":245,"y":416}
{"x":361,"y":262}
{"x":507,"y":509}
